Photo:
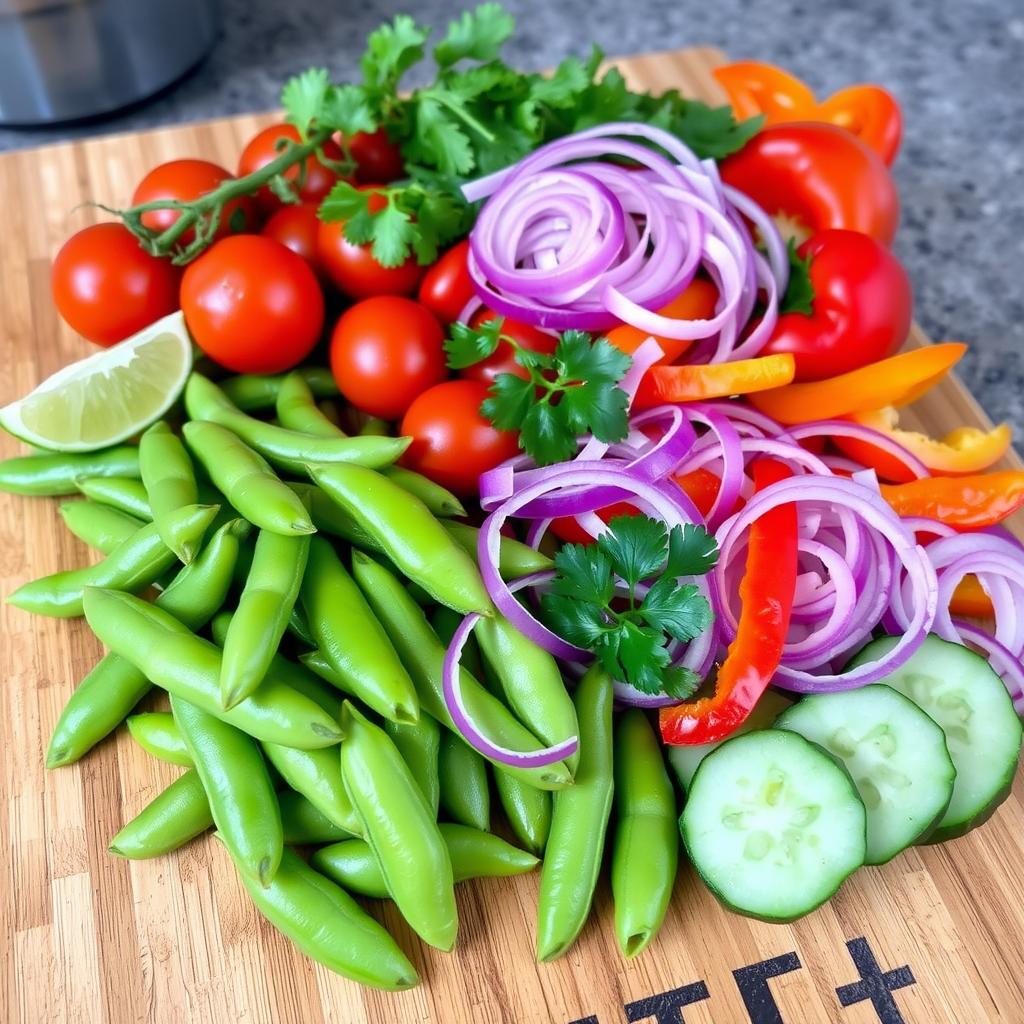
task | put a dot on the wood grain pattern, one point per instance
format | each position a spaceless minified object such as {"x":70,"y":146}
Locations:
{"x":90,"y":938}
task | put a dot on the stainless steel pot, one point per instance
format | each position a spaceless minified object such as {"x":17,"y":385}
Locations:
{"x":67,"y":59}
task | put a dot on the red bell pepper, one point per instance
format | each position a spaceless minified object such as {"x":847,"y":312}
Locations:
{"x":820,"y":175}
{"x":963,"y":502}
{"x":766,"y":596}
{"x":860,"y":311}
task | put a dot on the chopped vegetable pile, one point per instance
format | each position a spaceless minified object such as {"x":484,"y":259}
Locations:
{"x":512,"y":443}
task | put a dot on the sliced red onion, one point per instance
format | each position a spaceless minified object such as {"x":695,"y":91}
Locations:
{"x":845,"y":428}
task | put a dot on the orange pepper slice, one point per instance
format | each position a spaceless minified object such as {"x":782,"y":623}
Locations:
{"x":755,"y":88}
{"x":714,"y":380}
{"x":963,"y":502}
{"x":897,"y":381}
{"x":696,"y":302}
{"x":971,"y":600}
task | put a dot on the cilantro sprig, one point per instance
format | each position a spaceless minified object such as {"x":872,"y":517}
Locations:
{"x":630,"y":634}
{"x":560,"y":395}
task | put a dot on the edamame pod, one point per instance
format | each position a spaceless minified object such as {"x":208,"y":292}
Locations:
{"x":286,"y":448}
{"x":99,"y":526}
{"x":579,"y":820}
{"x":298,"y":626}
{"x":296,"y":409}
{"x":170,"y":484}
{"x":303,"y":824}
{"x":123,"y":493}
{"x":465,"y":795}
{"x":645,"y":852}
{"x":419,"y":743}
{"x":352,"y":640}
{"x":158,"y":734}
{"x":170,"y":820}
{"x":329,"y":517}
{"x":400,"y":827}
{"x":270,"y":592}
{"x":423,"y":654}
{"x":189,"y":667}
{"x":254,"y":391}
{"x":246,"y":480}
{"x":329,"y":926}
{"x":527,"y":809}
{"x":242,"y":799}
{"x":515,"y":558}
{"x":409,"y":534}
{"x":131,"y":566}
{"x":438,"y":499}
{"x":56,"y":473}
{"x":110,"y":691}
{"x":474,"y":854}
{"x":374,"y":426}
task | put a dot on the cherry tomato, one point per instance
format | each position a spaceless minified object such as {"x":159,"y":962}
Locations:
{"x":295,"y":226}
{"x":446,"y":287}
{"x":860,"y":312}
{"x":385,"y":351}
{"x":453,"y":443}
{"x":352,"y":268}
{"x":696,"y":302}
{"x":252,"y":305}
{"x":107,"y":287}
{"x":503,"y":359}
{"x":262,"y":148}
{"x":377,"y":157}
{"x":185,"y":180}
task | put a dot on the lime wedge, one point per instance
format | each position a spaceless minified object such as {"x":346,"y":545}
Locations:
{"x":109,"y":396}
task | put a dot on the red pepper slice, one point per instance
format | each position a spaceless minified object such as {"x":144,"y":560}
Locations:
{"x":766,"y":595}
{"x":963,"y":502}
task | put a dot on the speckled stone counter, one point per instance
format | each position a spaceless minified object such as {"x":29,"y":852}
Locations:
{"x":957,"y":66}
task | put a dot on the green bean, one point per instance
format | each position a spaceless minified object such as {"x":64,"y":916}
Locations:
{"x":189,"y":667}
{"x":170,"y":820}
{"x":409,"y":535}
{"x":53,"y":473}
{"x":330,"y":518}
{"x":120,"y":492}
{"x":251,"y":391}
{"x":645,"y":853}
{"x":527,"y":809}
{"x":465,"y":795}
{"x":352,"y":640}
{"x":419,"y":743}
{"x":438,"y":499}
{"x":531,"y":681}
{"x":326,"y":924}
{"x":242,"y":800}
{"x":401,"y":829}
{"x":110,"y":691}
{"x":99,"y":526}
{"x":474,"y":854}
{"x":303,"y":824}
{"x":297,"y":409}
{"x":246,"y":480}
{"x":444,"y":622}
{"x":288,"y":449}
{"x":158,"y":734}
{"x":423,"y":654}
{"x":298,"y":626}
{"x":579,"y":820}
{"x":133,"y":565}
{"x":270,"y":592}
{"x":515,"y":558}
{"x":170,"y":484}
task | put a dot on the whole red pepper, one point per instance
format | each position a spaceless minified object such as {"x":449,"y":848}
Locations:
{"x":766,"y":596}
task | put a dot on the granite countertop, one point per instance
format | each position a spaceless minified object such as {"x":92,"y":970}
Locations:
{"x":957,"y":67}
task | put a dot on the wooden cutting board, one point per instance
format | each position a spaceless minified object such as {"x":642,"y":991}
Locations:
{"x":932,"y":938}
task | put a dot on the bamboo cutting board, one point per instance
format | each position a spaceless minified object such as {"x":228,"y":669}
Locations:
{"x":932,"y":938}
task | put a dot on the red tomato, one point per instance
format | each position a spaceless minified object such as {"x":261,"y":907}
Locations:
{"x":503,"y":360}
{"x":352,"y":268}
{"x":385,"y":351}
{"x":820,"y":174}
{"x":861,"y":307}
{"x":453,"y":443}
{"x":107,"y":287}
{"x":295,"y":226}
{"x":252,"y":305}
{"x":446,"y":287}
{"x":377,"y":157}
{"x":262,"y":148}
{"x":186,"y":180}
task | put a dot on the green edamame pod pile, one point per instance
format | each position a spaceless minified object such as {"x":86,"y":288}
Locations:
{"x":260,"y":573}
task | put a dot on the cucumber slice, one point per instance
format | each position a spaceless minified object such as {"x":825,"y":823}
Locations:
{"x":685,"y":757}
{"x":773,"y":825}
{"x":959,"y":689}
{"x":895,"y":754}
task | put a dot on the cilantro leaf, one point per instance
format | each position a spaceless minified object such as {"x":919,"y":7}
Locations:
{"x":560,"y":89}
{"x":467,"y":345}
{"x":579,"y":358}
{"x":441,"y":218}
{"x":343,"y":202}
{"x":346,"y":109}
{"x":509,"y":402}
{"x":583,"y":573}
{"x":598,"y":407}
{"x":681,"y":683}
{"x":579,"y":622}
{"x":476,"y":34}
{"x":391,"y":50}
{"x":642,"y":656}
{"x":682,"y":612}
{"x":545,"y":434}
{"x":713,"y":131}
{"x":303,"y":98}
{"x":439,"y":140}
{"x":799,"y":296}
{"x":635,"y":546}
{"x":692,"y":551}
{"x":393,"y":234}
